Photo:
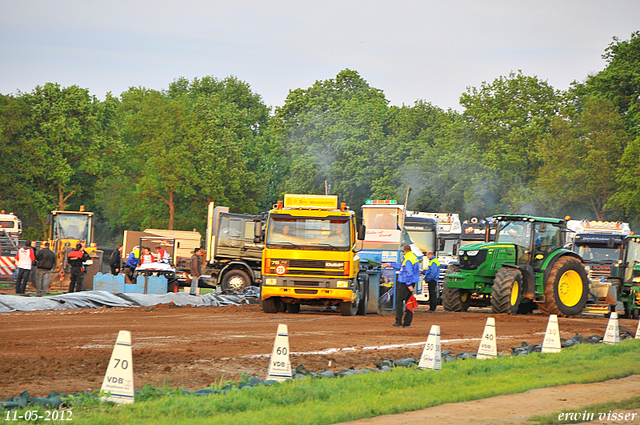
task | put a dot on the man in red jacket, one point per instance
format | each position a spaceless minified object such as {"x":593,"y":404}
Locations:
{"x":24,"y":259}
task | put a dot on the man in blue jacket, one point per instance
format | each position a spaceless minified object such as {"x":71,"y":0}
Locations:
{"x":431,"y":275}
{"x":407,"y":279}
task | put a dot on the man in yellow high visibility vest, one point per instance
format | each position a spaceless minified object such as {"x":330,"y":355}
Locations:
{"x":431,"y":275}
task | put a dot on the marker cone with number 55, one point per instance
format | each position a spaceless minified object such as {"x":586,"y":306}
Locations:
{"x":118,"y":381}
{"x":280,"y":366}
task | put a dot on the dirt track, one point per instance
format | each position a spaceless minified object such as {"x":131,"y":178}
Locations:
{"x":68,"y":351}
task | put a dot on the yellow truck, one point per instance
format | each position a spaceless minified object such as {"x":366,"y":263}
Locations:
{"x":310,"y":256}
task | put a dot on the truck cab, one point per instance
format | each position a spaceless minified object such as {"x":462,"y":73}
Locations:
{"x":310,"y":256}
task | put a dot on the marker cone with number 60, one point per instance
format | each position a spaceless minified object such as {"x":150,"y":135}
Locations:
{"x":488,"y":348}
{"x":280,"y":366}
{"x":118,"y":381}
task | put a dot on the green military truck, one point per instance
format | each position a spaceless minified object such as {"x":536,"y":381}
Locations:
{"x":526,"y":267}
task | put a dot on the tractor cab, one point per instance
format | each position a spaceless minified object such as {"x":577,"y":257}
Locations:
{"x":533,"y":238}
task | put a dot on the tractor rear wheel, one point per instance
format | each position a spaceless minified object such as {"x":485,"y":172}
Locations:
{"x":506,"y":295}
{"x":566,"y":289}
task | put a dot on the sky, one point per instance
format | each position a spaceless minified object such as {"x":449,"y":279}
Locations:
{"x":411,"y":50}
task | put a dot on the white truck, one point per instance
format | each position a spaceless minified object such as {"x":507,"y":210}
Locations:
{"x":448,"y":234}
{"x":10,"y":229}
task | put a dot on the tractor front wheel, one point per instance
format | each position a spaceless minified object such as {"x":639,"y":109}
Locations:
{"x":566,"y":289}
{"x":506,"y":295}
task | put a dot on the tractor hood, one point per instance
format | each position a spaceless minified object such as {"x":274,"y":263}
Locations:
{"x":481,"y":245}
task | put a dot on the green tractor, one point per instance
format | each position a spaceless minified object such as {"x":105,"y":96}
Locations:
{"x":526,"y":267}
{"x":624,"y":280}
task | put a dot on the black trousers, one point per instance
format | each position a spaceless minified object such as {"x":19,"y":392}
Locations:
{"x":22,"y":280}
{"x":433,"y":295}
{"x":77,"y":277}
{"x":402,"y":295}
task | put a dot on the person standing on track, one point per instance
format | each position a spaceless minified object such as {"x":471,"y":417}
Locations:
{"x":24,"y":259}
{"x":431,"y":275}
{"x":77,"y":258}
{"x":45,"y":261}
{"x":407,"y":279}
{"x":196,"y":271}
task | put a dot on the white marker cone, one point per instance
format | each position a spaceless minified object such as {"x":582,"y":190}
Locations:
{"x":431,"y":355}
{"x":638,"y":331}
{"x":551,"y":342}
{"x":612,"y":335}
{"x":280,"y":366}
{"x":119,"y":377}
{"x":488,"y":348}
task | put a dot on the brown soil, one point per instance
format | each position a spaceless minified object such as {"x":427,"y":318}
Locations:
{"x":68,"y":351}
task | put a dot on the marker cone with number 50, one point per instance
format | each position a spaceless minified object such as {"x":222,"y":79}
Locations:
{"x":280,"y":366}
{"x":118,"y":381}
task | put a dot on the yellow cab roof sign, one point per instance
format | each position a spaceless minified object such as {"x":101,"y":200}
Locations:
{"x":323,"y":202}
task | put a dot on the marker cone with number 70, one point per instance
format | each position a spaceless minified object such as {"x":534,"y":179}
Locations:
{"x":280,"y":366}
{"x":118,"y":381}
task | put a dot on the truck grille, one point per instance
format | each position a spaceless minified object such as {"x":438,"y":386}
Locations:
{"x":306,"y":291}
{"x":312,"y":267}
{"x":596,"y":273}
{"x":468,"y":262}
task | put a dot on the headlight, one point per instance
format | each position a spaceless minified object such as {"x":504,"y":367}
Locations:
{"x":343,"y":284}
{"x":472,"y":253}
{"x":636,"y":279}
{"x":270,"y":281}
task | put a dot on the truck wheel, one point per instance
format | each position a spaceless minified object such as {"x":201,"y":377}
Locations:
{"x":566,"y":289}
{"x":293,"y":308}
{"x":271,"y":305}
{"x":348,"y":309}
{"x":506,"y":295}
{"x":236,"y":280}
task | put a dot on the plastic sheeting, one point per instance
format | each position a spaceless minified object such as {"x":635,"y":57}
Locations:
{"x":98,"y":299}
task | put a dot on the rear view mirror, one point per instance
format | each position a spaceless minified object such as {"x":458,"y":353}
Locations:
{"x":257,"y":231}
{"x":362,"y":231}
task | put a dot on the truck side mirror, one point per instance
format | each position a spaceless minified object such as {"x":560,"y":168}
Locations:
{"x":362,"y":231}
{"x":257,"y":231}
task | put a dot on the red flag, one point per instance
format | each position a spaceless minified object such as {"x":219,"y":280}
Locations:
{"x":412,"y":303}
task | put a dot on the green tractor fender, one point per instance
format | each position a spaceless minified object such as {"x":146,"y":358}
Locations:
{"x":528,"y":279}
{"x":551,"y":259}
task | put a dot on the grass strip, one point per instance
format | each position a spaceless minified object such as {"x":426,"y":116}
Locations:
{"x":588,"y":413}
{"x":328,"y":401}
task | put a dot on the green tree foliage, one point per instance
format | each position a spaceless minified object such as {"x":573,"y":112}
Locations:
{"x":59,"y":141}
{"x":507,"y":117}
{"x":333,"y":131}
{"x":581,"y":158}
{"x":620,"y":80}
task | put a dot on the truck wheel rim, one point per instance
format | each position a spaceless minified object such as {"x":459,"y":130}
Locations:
{"x":514,"y":292}
{"x":570,"y":288}
{"x":236,"y":282}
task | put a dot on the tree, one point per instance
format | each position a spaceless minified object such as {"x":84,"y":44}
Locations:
{"x":619,"y":82}
{"x":581,"y":158}
{"x":506,"y":118}
{"x":332,"y":132}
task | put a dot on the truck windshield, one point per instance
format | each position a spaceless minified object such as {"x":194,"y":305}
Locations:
{"x":380,"y":218}
{"x":598,"y":252}
{"x":425,"y":240}
{"x":71,"y":226}
{"x":318,"y":233}
{"x":633,"y":252}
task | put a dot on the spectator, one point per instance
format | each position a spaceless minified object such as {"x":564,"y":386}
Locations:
{"x":77,"y":258}
{"x":45,"y":261}
{"x":115,"y":261}
{"x":24,"y":259}
{"x":196,"y":271}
